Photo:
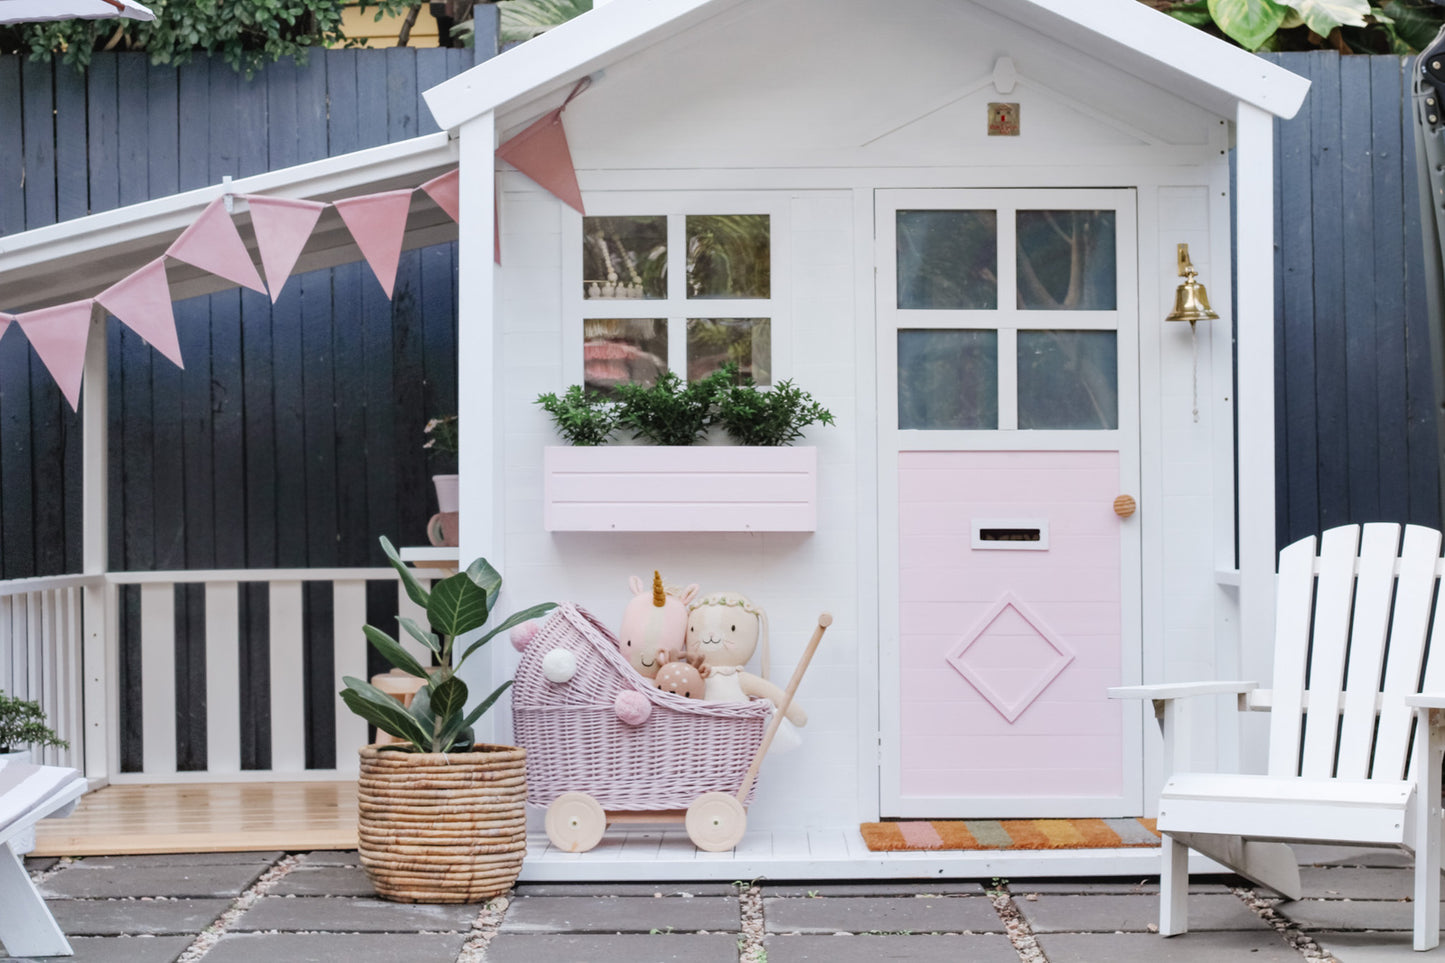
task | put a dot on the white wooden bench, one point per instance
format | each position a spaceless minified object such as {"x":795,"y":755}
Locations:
{"x":1343,"y":767}
{"x":28,"y":794}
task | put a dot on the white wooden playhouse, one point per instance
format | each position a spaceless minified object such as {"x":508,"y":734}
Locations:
{"x":970,"y":210}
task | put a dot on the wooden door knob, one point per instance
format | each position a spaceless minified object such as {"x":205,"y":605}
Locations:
{"x":1124,"y":506}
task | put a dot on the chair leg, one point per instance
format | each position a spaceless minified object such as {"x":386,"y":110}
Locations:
{"x":26,"y":926}
{"x":1173,"y":887}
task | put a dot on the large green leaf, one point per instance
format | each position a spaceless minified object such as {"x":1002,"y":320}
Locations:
{"x":428,"y":639}
{"x":483,"y":574}
{"x":1415,"y":27}
{"x":414,"y":591}
{"x":1323,"y":16}
{"x":524,"y":19}
{"x":1196,"y":14}
{"x":1248,"y":23}
{"x":420,"y":710}
{"x":449,"y":699}
{"x":516,"y":618}
{"x":384,"y":712}
{"x":392,"y":651}
{"x":457,"y":605}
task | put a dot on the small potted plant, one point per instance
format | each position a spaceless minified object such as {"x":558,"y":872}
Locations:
{"x":441,"y":444}
{"x":442,"y":818}
{"x":23,"y":728}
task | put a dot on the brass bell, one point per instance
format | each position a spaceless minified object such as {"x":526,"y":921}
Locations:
{"x":1191,"y":301}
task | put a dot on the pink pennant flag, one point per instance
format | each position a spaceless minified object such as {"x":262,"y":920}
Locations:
{"x":446,"y":191}
{"x":542,"y":154}
{"x":58,"y":335}
{"x":213,"y":244}
{"x":5,"y":320}
{"x":142,"y":302}
{"x":282,"y":226}
{"x":377,"y":222}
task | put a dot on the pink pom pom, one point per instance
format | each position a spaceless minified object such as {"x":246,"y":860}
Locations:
{"x":522,"y":634}
{"x":632,"y":707}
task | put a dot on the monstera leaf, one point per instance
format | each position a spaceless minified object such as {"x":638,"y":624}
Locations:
{"x":1248,"y":23}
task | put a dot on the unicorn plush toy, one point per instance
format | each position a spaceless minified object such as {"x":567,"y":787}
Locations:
{"x":654,"y":621}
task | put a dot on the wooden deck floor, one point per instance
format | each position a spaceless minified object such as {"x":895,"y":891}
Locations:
{"x":204,"y":817}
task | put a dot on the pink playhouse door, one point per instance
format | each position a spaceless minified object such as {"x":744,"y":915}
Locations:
{"x":1008,"y":423}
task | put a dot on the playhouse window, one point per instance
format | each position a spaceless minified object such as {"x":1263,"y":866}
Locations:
{"x":639,"y":300}
{"x":1068,"y":379}
{"x":1066,"y":261}
{"x":947,"y":379}
{"x":948,"y":260}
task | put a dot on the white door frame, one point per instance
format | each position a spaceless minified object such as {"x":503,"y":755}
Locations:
{"x":1126,"y":440}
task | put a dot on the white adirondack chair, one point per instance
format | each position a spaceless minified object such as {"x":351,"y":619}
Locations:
{"x":1349,"y":692}
{"x":29,"y":793}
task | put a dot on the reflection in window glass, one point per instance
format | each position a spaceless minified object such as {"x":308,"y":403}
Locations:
{"x":948,"y":260}
{"x":1066,"y":261}
{"x":947,"y":379}
{"x":617,"y":350}
{"x":729,"y":256}
{"x":747,"y":342}
{"x":624,"y":257}
{"x":1068,"y":379}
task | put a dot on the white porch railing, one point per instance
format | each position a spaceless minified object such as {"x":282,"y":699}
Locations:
{"x":43,"y":657}
{"x":41,"y":639}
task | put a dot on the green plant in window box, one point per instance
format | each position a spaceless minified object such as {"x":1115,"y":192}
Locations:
{"x":582,"y":417}
{"x":769,"y":418}
{"x":669,"y":412}
{"x":437,"y":720}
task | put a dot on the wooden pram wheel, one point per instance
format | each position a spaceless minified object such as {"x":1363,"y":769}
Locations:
{"x":716,"y":821}
{"x":575,"y":822}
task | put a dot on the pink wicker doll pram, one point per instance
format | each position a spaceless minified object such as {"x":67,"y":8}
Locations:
{"x":689,"y":761}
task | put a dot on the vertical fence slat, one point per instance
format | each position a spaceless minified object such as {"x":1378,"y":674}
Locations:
{"x":223,"y":673}
{"x":75,"y":679}
{"x":7,"y":643}
{"x":34,"y":660}
{"x":288,"y":711}
{"x":49,"y":642}
{"x":158,"y":678}
{"x":349,"y":615}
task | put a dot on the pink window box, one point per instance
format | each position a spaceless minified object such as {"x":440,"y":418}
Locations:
{"x":645,"y":488}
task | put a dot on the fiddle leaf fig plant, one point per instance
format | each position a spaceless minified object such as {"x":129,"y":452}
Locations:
{"x":437,"y":720}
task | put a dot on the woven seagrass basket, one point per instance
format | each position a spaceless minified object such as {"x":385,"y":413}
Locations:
{"x":443,"y":827}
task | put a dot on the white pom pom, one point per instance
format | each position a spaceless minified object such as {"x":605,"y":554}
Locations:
{"x":559,"y":666}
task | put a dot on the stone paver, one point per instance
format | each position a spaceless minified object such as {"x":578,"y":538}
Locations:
{"x":1261,"y":946}
{"x":39,"y":864}
{"x":135,"y":917}
{"x":880,"y":888}
{"x":1197,"y":884}
{"x":621,"y":914}
{"x":324,"y":881}
{"x":85,"y":880}
{"x":330,"y":857}
{"x":1127,"y":913}
{"x":976,"y":948}
{"x":897,"y":914}
{"x":606,"y":948}
{"x":1372,"y":947}
{"x":1355,"y":882}
{"x":337,"y":948}
{"x":627,"y":889}
{"x":182,"y":859}
{"x":346,"y":915}
{"x":122,"y":949}
{"x":1349,"y":914}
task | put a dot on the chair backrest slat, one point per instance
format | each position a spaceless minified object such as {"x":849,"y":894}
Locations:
{"x":1334,"y":592}
{"x":1413,"y":595}
{"x":1374,"y":589}
{"x":1291,"y":649}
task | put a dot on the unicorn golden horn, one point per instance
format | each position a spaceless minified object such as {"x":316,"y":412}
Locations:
{"x":659,"y":596}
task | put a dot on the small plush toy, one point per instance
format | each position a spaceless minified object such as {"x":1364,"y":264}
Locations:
{"x":654,"y":621}
{"x":725,"y":629}
{"x":523,"y":632}
{"x":681,"y":674}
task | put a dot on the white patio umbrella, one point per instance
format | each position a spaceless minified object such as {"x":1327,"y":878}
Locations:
{"x":27,"y":11}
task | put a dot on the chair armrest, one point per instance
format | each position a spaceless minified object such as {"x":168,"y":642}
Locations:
{"x":1426,"y":700}
{"x":1180,"y":690}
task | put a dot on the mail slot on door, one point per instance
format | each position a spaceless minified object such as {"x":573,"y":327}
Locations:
{"x":1011,"y":534}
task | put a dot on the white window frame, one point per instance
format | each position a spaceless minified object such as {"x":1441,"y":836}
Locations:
{"x":677,"y":308}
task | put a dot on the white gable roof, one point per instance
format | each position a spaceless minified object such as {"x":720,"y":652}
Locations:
{"x":1124,"y":33}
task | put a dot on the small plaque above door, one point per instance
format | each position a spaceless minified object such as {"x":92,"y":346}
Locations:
{"x":1012,"y":534}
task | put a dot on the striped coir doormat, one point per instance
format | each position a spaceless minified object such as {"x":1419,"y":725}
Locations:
{"x":1009,"y":834}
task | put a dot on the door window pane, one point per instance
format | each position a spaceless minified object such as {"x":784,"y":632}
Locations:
{"x":1066,"y":261}
{"x":729,"y":256}
{"x":712,"y":342}
{"x":948,"y":259}
{"x":1068,"y":379}
{"x":624,"y":257}
{"x":617,"y":350}
{"x":947,"y":379}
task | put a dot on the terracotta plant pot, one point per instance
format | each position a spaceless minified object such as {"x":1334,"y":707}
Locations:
{"x":443,"y":827}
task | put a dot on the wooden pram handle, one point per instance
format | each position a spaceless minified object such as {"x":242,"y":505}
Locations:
{"x":824,"y":621}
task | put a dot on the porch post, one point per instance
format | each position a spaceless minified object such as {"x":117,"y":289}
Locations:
{"x":1254,"y":221}
{"x":98,"y":658}
{"x":479,"y":396}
